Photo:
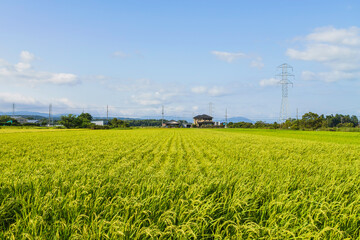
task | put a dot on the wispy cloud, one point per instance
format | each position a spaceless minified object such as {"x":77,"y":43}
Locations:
{"x":228,"y":56}
{"x":269,"y":82}
{"x":120,"y":54}
{"x":23,"y":72}
{"x":257,"y":63}
{"x":7,"y":98}
{"x":214,"y":91}
{"x":125,"y":55}
{"x":336,"y":49}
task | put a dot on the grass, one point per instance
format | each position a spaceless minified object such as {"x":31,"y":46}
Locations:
{"x":179,"y":184}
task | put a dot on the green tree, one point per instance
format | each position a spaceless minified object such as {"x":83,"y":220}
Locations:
{"x":7,"y":120}
{"x":275,"y":125}
{"x":295,"y":125}
{"x":84,"y":120}
{"x":86,"y":116}
{"x":312,"y":120}
{"x":117,"y":123}
{"x":260,"y":124}
{"x":69,"y":121}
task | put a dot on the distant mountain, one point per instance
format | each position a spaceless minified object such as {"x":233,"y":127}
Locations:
{"x":239,"y":119}
{"x":20,"y":113}
{"x":168,"y":118}
{"x":33,"y":115}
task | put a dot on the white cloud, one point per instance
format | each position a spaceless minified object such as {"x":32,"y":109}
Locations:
{"x":215,"y":91}
{"x":337,"y":49}
{"x":257,"y":63}
{"x":227,"y":56}
{"x":154,"y":97}
{"x":120,"y":54}
{"x":22,"y":66}
{"x":332,"y":76}
{"x":146,"y":92}
{"x":26,"y":56}
{"x":323,"y":53}
{"x":230,"y":57}
{"x":6,"y":97}
{"x":23,"y":72}
{"x":350,"y":36}
{"x":269,"y":82}
{"x":199,"y":89}
{"x":61,"y":78}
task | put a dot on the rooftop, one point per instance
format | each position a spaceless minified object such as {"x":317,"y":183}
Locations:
{"x":172,"y":122}
{"x":203,"y":116}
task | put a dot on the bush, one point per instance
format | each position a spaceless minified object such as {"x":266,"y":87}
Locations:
{"x":97,"y":127}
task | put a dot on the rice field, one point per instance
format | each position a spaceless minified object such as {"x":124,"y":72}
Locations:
{"x":179,"y":184}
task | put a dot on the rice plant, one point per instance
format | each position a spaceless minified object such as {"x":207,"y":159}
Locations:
{"x":179,"y":184}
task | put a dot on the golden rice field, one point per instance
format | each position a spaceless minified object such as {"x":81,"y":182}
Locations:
{"x":179,"y":184}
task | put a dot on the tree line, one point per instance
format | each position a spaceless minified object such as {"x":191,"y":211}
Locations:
{"x":84,"y":121}
{"x":309,"y":121}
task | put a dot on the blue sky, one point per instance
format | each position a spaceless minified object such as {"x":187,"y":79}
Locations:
{"x":138,"y":55}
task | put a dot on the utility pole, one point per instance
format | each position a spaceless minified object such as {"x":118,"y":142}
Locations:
{"x":107,"y":113}
{"x":210,"y":108}
{"x":297,"y":114}
{"x":285,"y":75}
{"x":13,"y":108}
{"x":50,"y":109}
{"x":226,"y":118}
{"x":162,"y":115}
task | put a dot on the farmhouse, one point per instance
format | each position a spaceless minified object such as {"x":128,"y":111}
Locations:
{"x":172,"y":124}
{"x":203,"y":120}
{"x":100,"y":122}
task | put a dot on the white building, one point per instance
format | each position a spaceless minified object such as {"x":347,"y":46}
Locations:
{"x":100,"y":122}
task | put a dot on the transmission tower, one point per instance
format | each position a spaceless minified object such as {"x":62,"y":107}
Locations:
{"x":50,"y":113}
{"x":210,"y":108}
{"x":226,"y":116}
{"x":107,"y":113}
{"x":286,"y":73}
{"x":162,"y":116}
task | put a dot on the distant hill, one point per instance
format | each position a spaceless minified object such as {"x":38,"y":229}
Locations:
{"x":19,"y":113}
{"x":33,"y":115}
{"x":240,"y":119}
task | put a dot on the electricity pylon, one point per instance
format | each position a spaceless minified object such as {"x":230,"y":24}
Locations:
{"x":284,"y":81}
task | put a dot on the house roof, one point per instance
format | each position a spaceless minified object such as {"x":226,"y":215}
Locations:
{"x":203,"y":116}
{"x":172,"y":122}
